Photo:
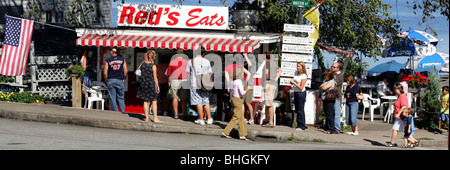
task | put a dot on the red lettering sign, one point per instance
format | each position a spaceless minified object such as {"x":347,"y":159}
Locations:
{"x":173,"y":16}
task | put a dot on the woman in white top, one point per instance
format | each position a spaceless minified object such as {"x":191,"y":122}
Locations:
{"x":298,"y":83}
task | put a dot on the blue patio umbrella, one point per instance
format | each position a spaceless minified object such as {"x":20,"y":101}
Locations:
{"x":389,"y":68}
{"x":431,"y":63}
{"x":419,"y":35}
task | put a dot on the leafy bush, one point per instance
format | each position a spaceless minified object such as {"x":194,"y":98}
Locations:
{"x":6,"y":79}
{"x":22,"y":97}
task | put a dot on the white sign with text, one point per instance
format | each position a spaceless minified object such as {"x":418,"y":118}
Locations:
{"x":172,"y":16}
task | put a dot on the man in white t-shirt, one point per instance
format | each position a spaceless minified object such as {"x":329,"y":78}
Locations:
{"x":198,"y":97}
{"x":382,"y":87}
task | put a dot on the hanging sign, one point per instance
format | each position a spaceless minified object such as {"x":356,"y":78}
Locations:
{"x":297,"y":49}
{"x":298,"y":28}
{"x":297,"y":57}
{"x":172,"y":16}
{"x":298,"y":40}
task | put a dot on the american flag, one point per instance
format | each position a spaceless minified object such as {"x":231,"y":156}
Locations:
{"x":16,"y":46}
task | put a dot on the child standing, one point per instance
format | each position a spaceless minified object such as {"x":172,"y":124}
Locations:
{"x":237,"y":93}
{"x":408,"y":137}
{"x":444,"y":110}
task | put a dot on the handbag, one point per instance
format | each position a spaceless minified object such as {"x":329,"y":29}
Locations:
{"x":359,"y":96}
{"x":138,"y":70}
{"x":332,"y":94}
{"x":203,"y":81}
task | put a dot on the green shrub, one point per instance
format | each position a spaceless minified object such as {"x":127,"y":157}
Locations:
{"x":22,"y":97}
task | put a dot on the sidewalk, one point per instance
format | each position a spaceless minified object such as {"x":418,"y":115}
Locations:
{"x":375,"y":133}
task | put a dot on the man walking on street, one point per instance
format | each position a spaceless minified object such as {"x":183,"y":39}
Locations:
{"x":115,"y":72}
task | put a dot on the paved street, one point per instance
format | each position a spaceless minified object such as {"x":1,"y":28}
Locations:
{"x":16,"y":134}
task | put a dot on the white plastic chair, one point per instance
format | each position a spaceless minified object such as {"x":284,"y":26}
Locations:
{"x":366,"y":104}
{"x":263,"y":114}
{"x":371,"y":104}
{"x":91,"y":96}
{"x":102,"y":85}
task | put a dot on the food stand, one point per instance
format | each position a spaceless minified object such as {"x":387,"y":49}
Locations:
{"x":165,"y":28}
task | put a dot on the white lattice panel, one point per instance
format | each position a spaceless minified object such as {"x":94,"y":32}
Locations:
{"x":56,"y":92}
{"x":51,"y":74}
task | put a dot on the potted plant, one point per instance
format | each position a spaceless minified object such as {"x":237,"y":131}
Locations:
{"x":244,"y":15}
{"x":416,"y":81}
{"x":76,"y":71}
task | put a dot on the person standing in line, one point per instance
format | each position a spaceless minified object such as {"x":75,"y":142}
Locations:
{"x":339,"y":79}
{"x":163,"y":84}
{"x":299,"y":82}
{"x":178,"y":83}
{"x":328,"y":105}
{"x":248,"y":97}
{"x":199,"y":98}
{"x":400,"y":104}
{"x":352,"y":105}
{"x":148,"y":89}
{"x":237,"y":93}
{"x":272,"y":74}
{"x":115,"y":72}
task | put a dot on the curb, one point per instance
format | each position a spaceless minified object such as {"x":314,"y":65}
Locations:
{"x":162,"y":128}
{"x":124,"y":125}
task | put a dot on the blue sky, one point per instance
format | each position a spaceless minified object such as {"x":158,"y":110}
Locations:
{"x":400,"y":10}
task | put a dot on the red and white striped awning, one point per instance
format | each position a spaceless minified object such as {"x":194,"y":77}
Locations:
{"x":184,"y":42}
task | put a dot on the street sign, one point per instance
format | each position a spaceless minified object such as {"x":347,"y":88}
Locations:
{"x":297,"y":49}
{"x":298,"y":40}
{"x":285,"y":81}
{"x":298,"y":3}
{"x":298,"y":28}
{"x":297,"y":57}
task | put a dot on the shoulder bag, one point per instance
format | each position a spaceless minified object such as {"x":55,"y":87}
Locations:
{"x":332,"y":94}
{"x":203,"y":81}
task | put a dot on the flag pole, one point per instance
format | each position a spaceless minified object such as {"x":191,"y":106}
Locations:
{"x":42,"y":23}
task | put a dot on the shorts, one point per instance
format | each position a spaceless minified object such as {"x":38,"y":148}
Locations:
{"x":248,"y":97}
{"x":443,"y":117}
{"x":399,"y":125}
{"x":269,"y":94}
{"x":177,"y":91}
{"x":407,"y":135}
{"x":199,"y":97}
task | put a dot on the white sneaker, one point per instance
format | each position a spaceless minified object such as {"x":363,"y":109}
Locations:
{"x":250,"y":122}
{"x":210,"y":121}
{"x":350,"y":133}
{"x":355,"y":134}
{"x":198,"y":121}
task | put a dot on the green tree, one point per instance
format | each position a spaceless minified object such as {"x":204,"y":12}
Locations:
{"x":354,"y":25}
{"x":428,"y":9}
{"x":430,"y":103}
{"x":78,"y":13}
{"x":276,"y":13}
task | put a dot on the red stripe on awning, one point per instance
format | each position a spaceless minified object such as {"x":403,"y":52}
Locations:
{"x":186,"y":43}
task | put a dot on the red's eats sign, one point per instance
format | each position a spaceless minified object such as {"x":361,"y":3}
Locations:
{"x":195,"y":17}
